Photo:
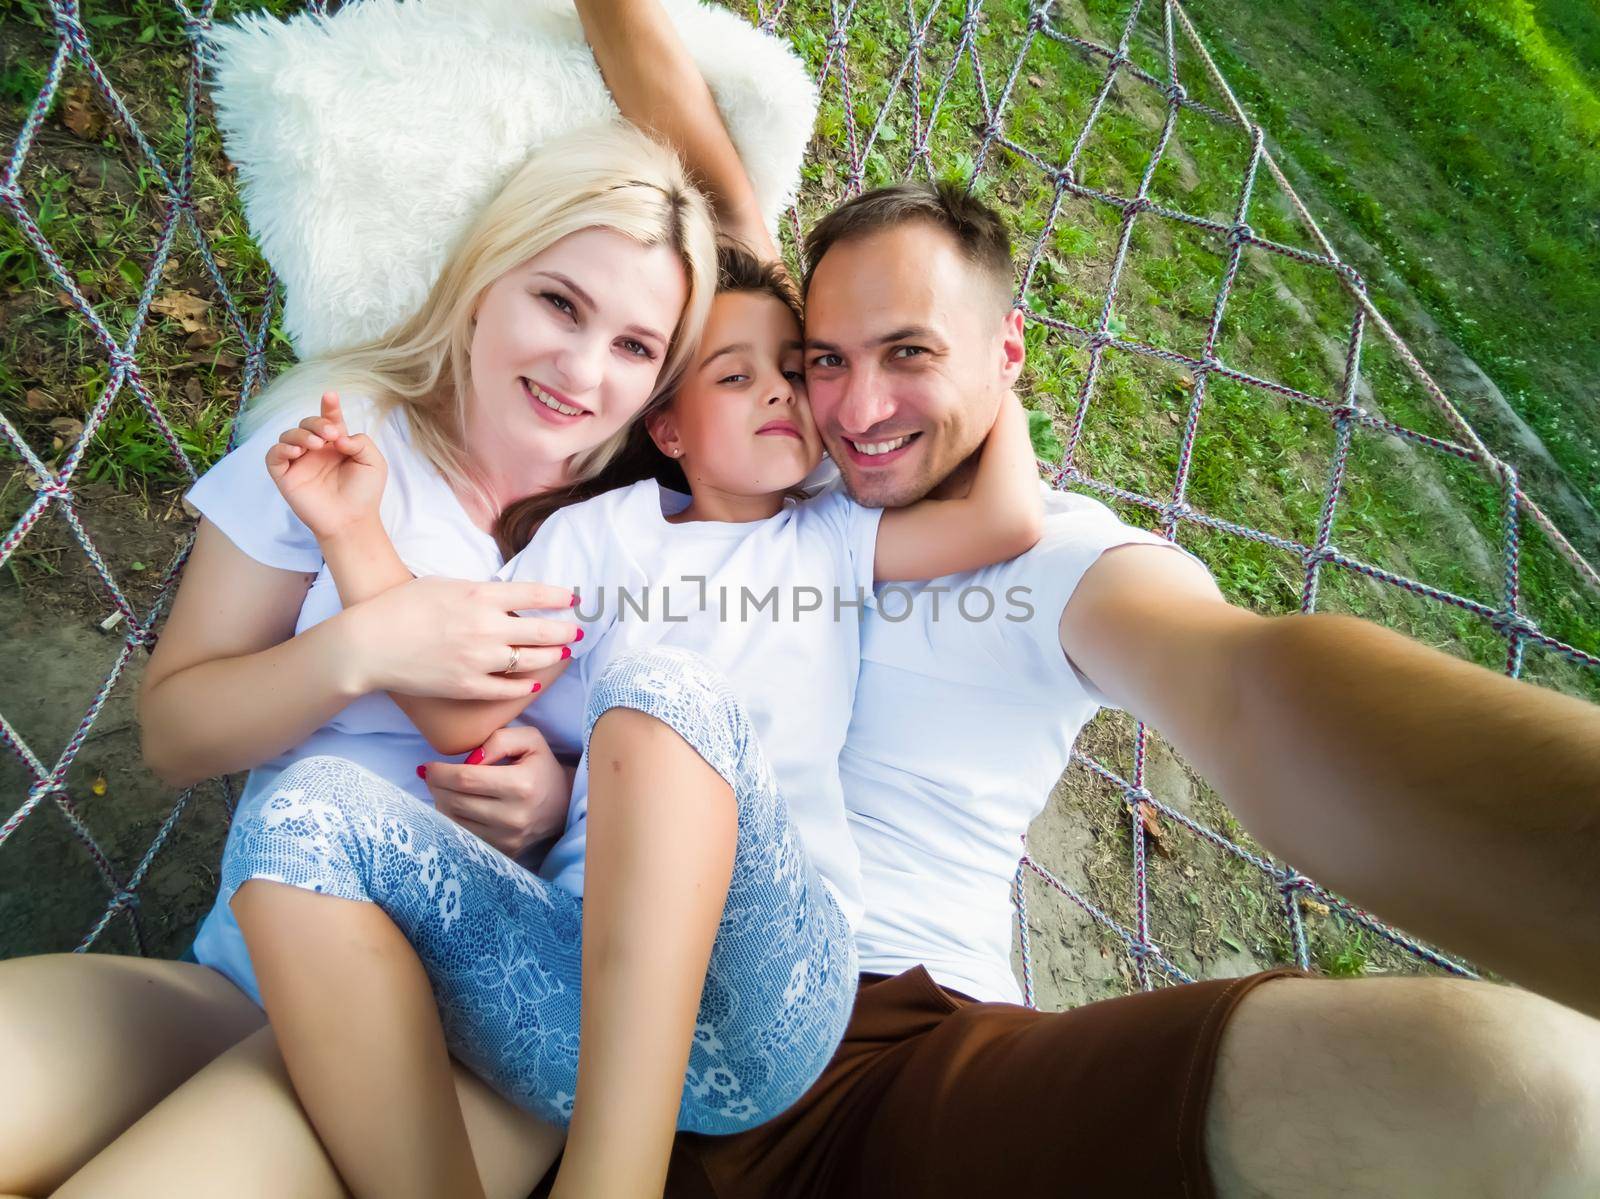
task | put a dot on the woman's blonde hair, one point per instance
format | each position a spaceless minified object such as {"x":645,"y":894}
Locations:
{"x":605,"y":177}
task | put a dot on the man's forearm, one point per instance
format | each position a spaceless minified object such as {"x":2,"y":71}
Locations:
{"x":658,"y":87}
{"x":1458,"y":803}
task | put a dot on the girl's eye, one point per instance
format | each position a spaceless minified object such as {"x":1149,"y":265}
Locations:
{"x":795,"y":376}
{"x":560,"y":303}
{"x":729,"y":380}
{"x":637,"y":348}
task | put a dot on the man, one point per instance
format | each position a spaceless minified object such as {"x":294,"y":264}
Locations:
{"x":1341,"y":746}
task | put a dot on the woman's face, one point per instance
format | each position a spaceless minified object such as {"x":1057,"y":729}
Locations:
{"x":740,"y":419}
{"x":567,"y":347}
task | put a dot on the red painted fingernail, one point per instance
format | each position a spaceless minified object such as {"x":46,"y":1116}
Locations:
{"x":536,"y":688}
{"x":574,"y":602}
{"x":578,"y":636}
{"x":566,"y":652}
{"x":475,"y":756}
{"x":422,"y":772}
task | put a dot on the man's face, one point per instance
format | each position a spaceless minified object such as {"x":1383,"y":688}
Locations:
{"x":909,"y":350}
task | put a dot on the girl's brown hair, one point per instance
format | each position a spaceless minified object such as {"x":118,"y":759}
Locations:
{"x":738,"y":270}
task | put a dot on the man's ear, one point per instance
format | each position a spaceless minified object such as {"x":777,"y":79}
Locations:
{"x":1013,"y":347}
{"x":663,"y":430}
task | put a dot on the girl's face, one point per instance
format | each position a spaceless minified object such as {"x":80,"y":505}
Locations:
{"x":740,"y":421}
{"x":567,"y":347}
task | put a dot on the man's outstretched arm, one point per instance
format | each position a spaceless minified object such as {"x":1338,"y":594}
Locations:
{"x":1458,"y":803}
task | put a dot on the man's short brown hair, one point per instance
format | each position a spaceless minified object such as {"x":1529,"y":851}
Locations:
{"x":977,"y":229}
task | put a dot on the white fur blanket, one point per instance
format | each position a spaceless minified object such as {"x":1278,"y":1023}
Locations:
{"x":366,"y":141}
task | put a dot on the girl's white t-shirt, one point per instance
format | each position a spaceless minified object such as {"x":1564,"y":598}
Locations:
{"x":434,"y":536}
{"x":775,"y":604}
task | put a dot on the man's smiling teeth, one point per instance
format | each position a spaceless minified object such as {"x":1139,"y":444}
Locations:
{"x":879,"y":447}
{"x":549,"y":401}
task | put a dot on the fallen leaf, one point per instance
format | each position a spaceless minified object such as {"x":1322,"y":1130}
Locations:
{"x":40,"y":401}
{"x":99,"y":784}
{"x":1185,"y":382}
{"x":67,"y":428}
{"x":184,"y":307}
{"x":1153,"y":830}
{"x":194,"y":391}
{"x":1314,"y":907}
{"x":1036,"y":81}
{"x":81,"y":114}
{"x":1173,"y":417}
{"x":202,"y":339}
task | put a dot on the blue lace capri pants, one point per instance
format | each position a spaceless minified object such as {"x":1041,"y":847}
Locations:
{"x":502,"y":947}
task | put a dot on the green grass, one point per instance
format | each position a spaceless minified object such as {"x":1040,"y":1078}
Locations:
{"x":1259,"y":461}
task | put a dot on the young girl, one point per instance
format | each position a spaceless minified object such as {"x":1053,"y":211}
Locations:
{"x":709,"y":804}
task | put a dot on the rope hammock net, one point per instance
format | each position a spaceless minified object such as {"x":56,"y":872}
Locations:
{"x":944,"y":94}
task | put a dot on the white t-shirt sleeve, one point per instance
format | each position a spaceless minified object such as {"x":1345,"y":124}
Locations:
{"x":853,"y":527}
{"x":240,"y":498}
{"x":1078,"y":530}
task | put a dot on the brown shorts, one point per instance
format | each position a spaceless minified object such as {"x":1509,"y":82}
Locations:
{"x":932,"y":1094}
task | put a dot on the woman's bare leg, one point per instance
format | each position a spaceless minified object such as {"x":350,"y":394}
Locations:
{"x":237,"y":1129}
{"x":661,"y":838}
{"x":356,"y":1018}
{"x":90,"y":1042}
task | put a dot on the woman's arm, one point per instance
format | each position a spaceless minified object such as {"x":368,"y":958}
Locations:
{"x":657,"y":86}
{"x":365,"y":565}
{"x":1001,"y":516}
{"x":229,"y":685}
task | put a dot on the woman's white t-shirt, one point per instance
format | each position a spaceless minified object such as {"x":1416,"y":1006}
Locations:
{"x":434,"y":536}
{"x":775,"y":604}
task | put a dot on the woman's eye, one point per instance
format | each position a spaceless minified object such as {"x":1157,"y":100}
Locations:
{"x":637,"y":348}
{"x":560,"y":303}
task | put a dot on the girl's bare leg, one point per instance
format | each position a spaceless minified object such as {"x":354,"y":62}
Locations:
{"x":237,"y":1129}
{"x":662,"y":831}
{"x":90,"y":1042}
{"x":355,"y":1016}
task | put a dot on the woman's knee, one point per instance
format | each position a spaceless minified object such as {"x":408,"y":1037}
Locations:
{"x":91,"y":1042}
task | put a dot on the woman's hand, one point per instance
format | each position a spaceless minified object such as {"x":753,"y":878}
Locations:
{"x":330,"y":480}
{"x":512,"y":806}
{"x":453,"y":639}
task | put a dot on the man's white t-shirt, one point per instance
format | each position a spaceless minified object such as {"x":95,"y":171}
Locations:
{"x":966,"y":710}
{"x":434,"y":536}
{"x":758,"y":600}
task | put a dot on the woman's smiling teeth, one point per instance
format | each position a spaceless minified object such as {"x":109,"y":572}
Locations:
{"x":880,"y":447}
{"x":549,"y":401}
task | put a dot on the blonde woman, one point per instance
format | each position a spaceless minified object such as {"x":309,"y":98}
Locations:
{"x":589,"y":274}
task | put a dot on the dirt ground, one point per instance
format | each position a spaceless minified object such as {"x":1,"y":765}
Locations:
{"x":51,"y":608}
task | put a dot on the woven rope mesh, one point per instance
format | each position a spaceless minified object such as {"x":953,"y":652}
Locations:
{"x":1109,"y":136}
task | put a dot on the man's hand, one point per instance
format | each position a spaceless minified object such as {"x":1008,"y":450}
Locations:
{"x":512,"y":793}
